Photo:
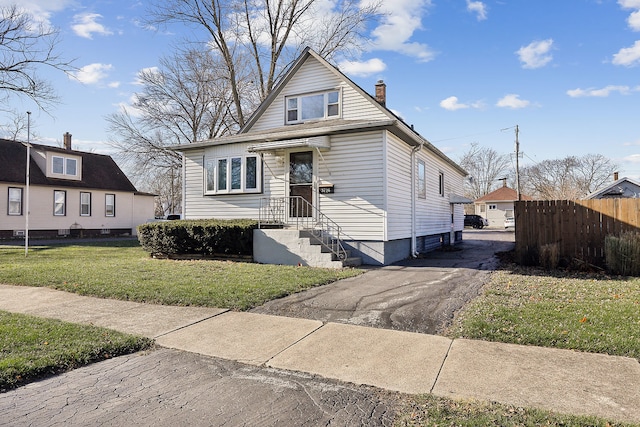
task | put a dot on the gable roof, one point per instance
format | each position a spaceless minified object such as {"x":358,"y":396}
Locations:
{"x":623,"y":187}
{"x":393,"y":123}
{"x":503,"y":194}
{"x":98,"y":171}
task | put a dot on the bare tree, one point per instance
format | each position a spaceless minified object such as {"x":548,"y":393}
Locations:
{"x":182,"y":101}
{"x":485,"y":167}
{"x":258,"y":39}
{"x":568,"y":178}
{"x":15,"y":127}
{"x":26,"y":46}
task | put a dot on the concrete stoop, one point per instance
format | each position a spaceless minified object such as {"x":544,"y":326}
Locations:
{"x":296,"y":247}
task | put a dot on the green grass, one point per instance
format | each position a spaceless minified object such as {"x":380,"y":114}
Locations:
{"x":585,"y":312}
{"x":432,"y":411}
{"x":32,"y":348}
{"x":122,"y":270}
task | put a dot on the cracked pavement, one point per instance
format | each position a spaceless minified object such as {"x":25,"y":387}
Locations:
{"x":165,"y":387}
{"x":419,"y":295}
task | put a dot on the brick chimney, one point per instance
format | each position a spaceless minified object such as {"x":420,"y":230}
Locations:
{"x":67,"y":141}
{"x":615,"y":176}
{"x":381,"y":93}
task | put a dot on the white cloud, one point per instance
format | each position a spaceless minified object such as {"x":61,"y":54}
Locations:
{"x":629,"y":144}
{"x":602,"y":93}
{"x":634,"y":21}
{"x":148,"y":70}
{"x":452,"y":104}
{"x":536,"y":54}
{"x":362,"y":68}
{"x":400,"y":19}
{"x":479,"y":8}
{"x":629,"y":4}
{"x":92,"y":73}
{"x":512,"y":101}
{"x":114,"y":85}
{"x":86,"y":25}
{"x":41,"y":10}
{"x":628,"y":56}
{"x":633,"y":158}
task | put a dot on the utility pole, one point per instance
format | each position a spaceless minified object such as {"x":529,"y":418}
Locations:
{"x":518,"y":163}
{"x":27,"y":181}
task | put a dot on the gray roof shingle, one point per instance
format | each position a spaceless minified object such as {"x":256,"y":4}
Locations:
{"x":99,"y":171}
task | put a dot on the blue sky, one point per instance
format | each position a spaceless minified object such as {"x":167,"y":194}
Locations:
{"x":567,"y":72}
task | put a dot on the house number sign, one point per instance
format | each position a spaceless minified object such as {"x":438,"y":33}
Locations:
{"x":327,"y":189}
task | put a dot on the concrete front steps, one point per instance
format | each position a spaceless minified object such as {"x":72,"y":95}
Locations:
{"x":295,"y":247}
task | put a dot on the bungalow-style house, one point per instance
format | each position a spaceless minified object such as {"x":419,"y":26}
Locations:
{"x":623,"y":187}
{"x":322,"y":161}
{"x":498,"y":205}
{"x":70,"y":193}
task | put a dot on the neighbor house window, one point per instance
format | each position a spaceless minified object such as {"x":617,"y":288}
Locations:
{"x":64,"y":166}
{"x":15,"y":201}
{"x":85,"y":204}
{"x":493,"y":207}
{"x":441,"y":184}
{"x":315,"y":106}
{"x":110,"y":205}
{"x":232,"y":175}
{"x":59,"y":203}
{"x":422,"y":180}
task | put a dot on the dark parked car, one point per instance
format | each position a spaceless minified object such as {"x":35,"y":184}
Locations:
{"x":475,"y":221}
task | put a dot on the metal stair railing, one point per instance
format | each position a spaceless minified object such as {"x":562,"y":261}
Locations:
{"x":297,"y":212}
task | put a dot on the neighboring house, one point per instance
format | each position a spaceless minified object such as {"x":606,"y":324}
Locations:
{"x":623,"y":187}
{"x":70,"y":193}
{"x":323,"y":155}
{"x":498,"y":205}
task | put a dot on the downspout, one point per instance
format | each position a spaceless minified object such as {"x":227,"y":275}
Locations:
{"x":414,"y":150}
{"x":184,"y":186}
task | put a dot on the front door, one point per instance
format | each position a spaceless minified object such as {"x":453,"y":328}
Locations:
{"x":301,"y":183}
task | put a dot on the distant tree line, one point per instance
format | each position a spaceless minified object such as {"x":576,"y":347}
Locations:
{"x":572,"y":177}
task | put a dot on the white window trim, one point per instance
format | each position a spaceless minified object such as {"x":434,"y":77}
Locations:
{"x":64,"y":166}
{"x":106,"y":205}
{"x":243,"y":175}
{"x":422,"y":180}
{"x":21,"y":190}
{"x":326,"y":104}
{"x":87,"y":204}
{"x":64,"y":203}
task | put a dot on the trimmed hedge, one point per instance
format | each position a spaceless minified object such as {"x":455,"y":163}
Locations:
{"x":206,"y":237}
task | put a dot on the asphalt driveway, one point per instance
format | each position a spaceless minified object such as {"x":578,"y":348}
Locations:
{"x":419,"y":295}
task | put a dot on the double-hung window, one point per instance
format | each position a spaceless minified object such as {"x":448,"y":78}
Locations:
{"x":59,"y":203}
{"x":235,"y":174}
{"x":64,"y":166}
{"x":15,"y":201}
{"x":441,"y":184}
{"x":109,"y":205}
{"x":85,"y":204}
{"x":317,"y":106}
{"x":422,"y":180}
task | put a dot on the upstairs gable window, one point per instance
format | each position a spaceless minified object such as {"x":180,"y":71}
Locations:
{"x":317,"y":106}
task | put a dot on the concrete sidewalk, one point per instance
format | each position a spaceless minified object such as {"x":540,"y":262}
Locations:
{"x":559,"y":380}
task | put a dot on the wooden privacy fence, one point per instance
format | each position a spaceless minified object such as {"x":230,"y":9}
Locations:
{"x":577,"y":227}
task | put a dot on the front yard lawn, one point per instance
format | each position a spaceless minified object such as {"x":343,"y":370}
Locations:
{"x":122,"y":270}
{"x":32,"y":348}
{"x":578,"y":311}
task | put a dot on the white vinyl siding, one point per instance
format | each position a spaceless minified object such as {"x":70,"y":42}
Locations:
{"x":236,"y":205}
{"x":354,"y":165}
{"x":398,"y":188}
{"x":314,"y":77}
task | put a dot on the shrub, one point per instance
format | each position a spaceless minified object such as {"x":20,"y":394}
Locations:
{"x":550,"y":256}
{"x":623,"y":253}
{"x":207,"y":237}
